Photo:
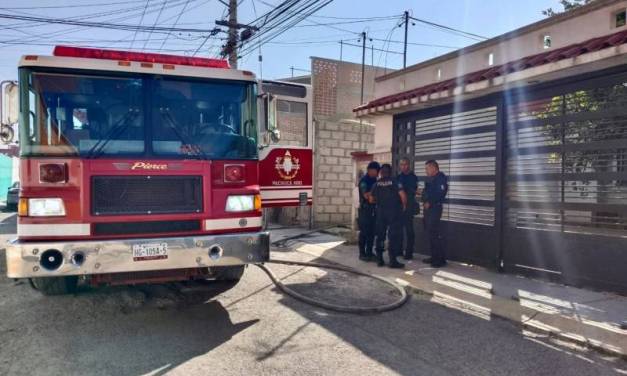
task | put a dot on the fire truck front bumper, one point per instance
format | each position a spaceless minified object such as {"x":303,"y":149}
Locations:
{"x":63,"y":258}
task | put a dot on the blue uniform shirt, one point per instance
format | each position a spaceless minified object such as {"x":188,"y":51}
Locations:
{"x":436,"y":188}
{"x":410,"y":186}
{"x":365,"y":185}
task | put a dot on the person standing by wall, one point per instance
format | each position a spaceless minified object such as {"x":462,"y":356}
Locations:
{"x":409,"y":180}
{"x":367,"y":212}
{"x":391,"y":201}
{"x":436,"y":188}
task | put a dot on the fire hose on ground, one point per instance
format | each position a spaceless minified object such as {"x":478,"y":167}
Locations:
{"x":330,"y":306}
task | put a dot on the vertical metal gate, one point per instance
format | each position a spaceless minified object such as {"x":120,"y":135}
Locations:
{"x":566,"y":183}
{"x":538,"y":178}
{"x":463,"y":141}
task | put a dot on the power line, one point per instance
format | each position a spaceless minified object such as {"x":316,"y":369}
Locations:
{"x":84,"y":17}
{"x":153,"y":25}
{"x":74,"y":6}
{"x":463,"y":33}
{"x":292,"y":19}
{"x":175,"y":23}
{"x":140,"y":22}
{"x":104,"y":25}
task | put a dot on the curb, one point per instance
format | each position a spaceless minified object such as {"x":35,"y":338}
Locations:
{"x":574,"y":339}
{"x":527,"y":324}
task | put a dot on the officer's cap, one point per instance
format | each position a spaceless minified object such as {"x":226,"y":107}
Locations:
{"x":374,"y":165}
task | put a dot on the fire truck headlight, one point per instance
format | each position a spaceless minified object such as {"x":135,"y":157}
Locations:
{"x":240,"y":203}
{"x":45,"y":207}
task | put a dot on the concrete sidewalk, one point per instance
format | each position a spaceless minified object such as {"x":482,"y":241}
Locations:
{"x":581,"y":317}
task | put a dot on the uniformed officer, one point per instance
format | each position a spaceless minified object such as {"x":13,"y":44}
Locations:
{"x":366,"y":216}
{"x":409,"y":180}
{"x":391,"y":202}
{"x":436,"y":187}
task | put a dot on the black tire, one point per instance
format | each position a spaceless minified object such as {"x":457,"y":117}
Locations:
{"x":229,"y":273}
{"x":55,"y":285}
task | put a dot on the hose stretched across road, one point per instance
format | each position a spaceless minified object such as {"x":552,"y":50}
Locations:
{"x":335,"y":307}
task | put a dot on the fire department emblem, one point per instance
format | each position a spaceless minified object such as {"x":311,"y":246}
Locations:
{"x":287,"y":166}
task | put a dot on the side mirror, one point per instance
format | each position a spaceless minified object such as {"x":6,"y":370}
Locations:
{"x":272,"y":135}
{"x":275,"y":135}
{"x":10,"y":101}
{"x":7,"y":134}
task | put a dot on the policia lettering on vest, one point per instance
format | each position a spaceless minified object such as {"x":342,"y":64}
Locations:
{"x":391,"y":201}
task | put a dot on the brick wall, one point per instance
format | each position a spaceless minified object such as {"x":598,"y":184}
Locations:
{"x":337,"y":90}
{"x":334,"y":169}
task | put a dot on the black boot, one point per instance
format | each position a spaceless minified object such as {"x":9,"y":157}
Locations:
{"x":394,"y":264}
{"x":380,"y":261}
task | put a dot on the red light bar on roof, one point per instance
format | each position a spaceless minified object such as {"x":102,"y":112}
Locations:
{"x":142,"y":57}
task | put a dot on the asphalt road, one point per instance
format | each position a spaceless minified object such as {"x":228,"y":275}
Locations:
{"x":252,"y":329}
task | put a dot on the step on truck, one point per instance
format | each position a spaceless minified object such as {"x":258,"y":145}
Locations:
{"x":150,"y":168}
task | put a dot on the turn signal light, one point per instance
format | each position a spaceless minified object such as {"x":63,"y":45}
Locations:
{"x":22,"y":207}
{"x":258,"y":202}
{"x":53,"y":173}
{"x":233,"y":173}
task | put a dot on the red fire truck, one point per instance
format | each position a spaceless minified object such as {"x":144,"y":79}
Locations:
{"x":140,"y":167}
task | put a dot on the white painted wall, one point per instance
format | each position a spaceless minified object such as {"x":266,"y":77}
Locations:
{"x":563,"y":31}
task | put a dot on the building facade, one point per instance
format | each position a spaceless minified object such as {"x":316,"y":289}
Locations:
{"x":531,"y":128}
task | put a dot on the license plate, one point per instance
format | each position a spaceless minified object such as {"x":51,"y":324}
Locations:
{"x":153,"y":251}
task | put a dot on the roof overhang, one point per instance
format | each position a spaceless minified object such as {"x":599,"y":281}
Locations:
{"x":594,"y":54}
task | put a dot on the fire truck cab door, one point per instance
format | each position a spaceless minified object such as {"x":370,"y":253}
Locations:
{"x":285,"y":143}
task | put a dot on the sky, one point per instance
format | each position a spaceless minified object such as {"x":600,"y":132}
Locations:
{"x":318,"y":35}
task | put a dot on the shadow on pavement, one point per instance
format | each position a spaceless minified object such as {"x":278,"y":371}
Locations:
{"x":124,"y":330}
{"x":423,"y":335}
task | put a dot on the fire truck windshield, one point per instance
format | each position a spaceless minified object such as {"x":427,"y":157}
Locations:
{"x":92,"y":115}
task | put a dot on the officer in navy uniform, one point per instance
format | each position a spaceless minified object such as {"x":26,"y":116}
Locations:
{"x":436,"y":187}
{"x":409,"y":180}
{"x":367,"y":212}
{"x":391,"y":201}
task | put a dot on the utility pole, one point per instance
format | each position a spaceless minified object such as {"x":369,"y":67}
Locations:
{"x":232,"y":42}
{"x":341,"y":46}
{"x":230,"y":48}
{"x":405,"y":44}
{"x":292,"y":68}
{"x":363,"y":64}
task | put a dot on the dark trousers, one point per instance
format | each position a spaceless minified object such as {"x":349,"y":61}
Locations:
{"x":367,"y":226}
{"x":389,"y":223}
{"x":407,"y":225}
{"x":432,"y":217}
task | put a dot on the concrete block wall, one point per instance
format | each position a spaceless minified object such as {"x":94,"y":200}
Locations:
{"x":335,"y":173}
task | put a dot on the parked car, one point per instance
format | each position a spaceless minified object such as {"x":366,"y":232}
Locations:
{"x":12,"y":195}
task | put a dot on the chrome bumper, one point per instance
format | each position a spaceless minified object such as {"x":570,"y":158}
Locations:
{"x":115,"y":256}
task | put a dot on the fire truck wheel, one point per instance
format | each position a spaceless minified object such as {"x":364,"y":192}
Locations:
{"x":229,"y":273}
{"x":55,"y":285}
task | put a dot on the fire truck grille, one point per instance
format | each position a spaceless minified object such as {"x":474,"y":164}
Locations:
{"x":131,"y":228}
{"x":120,"y":195}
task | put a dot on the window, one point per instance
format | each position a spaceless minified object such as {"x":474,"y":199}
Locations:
{"x":620,"y":18}
{"x":546,"y":42}
{"x":292,"y":122}
{"x":491,"y":59}
{"x":438,"y":74}
{"x":204,"y":118}
{"x":81,"y":115}
{"x":69,"y":114}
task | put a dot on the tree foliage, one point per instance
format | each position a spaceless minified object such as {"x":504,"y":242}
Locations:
{"x":567,"y":5}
